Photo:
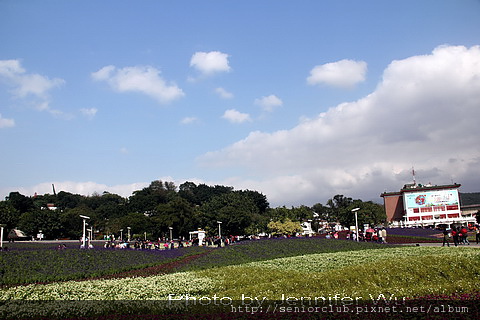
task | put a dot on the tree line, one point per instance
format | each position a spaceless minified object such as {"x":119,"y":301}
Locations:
{"x":162,"y":205}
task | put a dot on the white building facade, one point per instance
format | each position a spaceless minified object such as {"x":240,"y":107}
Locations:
{"x":426,"y":205}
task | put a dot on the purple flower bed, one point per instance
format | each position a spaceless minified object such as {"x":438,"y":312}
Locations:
{"x":414,"y":232}
{"x":43,"y":265}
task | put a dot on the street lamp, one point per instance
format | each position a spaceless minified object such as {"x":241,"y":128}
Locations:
{"x":356,"y":221}
{"x":121,"y":235}
{"x":219,"y":229}
{"x":128,"y":229}
{"x":90,"y":234}
{"x":84,"y":226}
{"x":1,"y":235}
{"x":171,"y":233}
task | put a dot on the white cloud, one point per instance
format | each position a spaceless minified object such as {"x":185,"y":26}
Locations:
{"x":224,"y":93}
{"x":83,"y":188}
{"x":423,"y":113}
{"x":189,"y":120}
{"x":30,"y":87}
{"x":24,"y":83}
{"x":6,"y":123}
{"x":86,"y":188}
{"x":143,"y":79}
{"x":235,"y":116}
{"x":10,"y":68}
{"x":210,"y":62}
{"x":269,"y":103}
{"x":343,"y":73}
{"x":104,"y":74}
{"x":89,"y":113}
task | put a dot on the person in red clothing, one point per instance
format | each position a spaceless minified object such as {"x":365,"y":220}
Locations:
{"x":464,"y":235}
{"x":455,"y":236}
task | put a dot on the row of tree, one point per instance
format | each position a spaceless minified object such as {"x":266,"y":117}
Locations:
{"x":161,"y":206}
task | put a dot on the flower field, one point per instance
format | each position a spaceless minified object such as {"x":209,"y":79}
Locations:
{"x":272,"y":270}
{"x":45,"y":265}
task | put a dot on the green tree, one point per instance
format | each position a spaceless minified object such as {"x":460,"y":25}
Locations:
{"x":41,"y":201}
{"x":110,"y":206}
{"x":20,"y":202}
{"x":258,"y":198}
{"x":178,"y":214}
{"x":47,"y":221}
{"x":147,"y":199}
{"x":138,"y":223}
{"x":301,"y":213}
{"x":72,"y":223}
{"x":338,"y":205}
{"x":205,"y":193}
{"x":8,"y":216}
{"x":323,"y":212}
{"x":67,"y":200}
{"x":281,"y":214}
{"x":187,"y":191}
{"x":236,"y":212}
{"x":287,"y":227}
{"x":370,"y":213}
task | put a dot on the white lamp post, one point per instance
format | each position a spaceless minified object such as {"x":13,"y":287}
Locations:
{"x":1,"y":235}
{"x":356,"y":221}
{"x":90,"y":234}
{"x":121,"y":235}
{"x":219,"y":229}
{"x":171,"y":233}
{"x":84,"y":227}
{"x":128,"y":229}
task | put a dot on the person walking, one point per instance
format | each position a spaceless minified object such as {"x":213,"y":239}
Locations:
{"x":477,"y":233}
{"x":464,"y":235}
{"x":455,"y":236}
{"x":384,"y":235}
{"x":446,"y":236}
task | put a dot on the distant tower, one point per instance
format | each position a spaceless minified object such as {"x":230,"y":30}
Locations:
{"x":413,"y":174}
{"x":54,"y":193}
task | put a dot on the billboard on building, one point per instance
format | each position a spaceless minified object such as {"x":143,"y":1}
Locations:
{"x":435,"y":198}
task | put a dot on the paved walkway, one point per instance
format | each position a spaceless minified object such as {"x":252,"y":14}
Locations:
{"x":436,"y":244}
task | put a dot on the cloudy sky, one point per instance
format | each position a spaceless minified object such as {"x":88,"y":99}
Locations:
{"x":299,"y":100}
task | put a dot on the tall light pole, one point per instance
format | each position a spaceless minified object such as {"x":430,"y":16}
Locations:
{"x":171,"y":233}
{"x":121,"y":235}
{"x":356,"y":221}
{"x":128,"y":229}
{"x":219,"y":229}
{"x":1,"y":235}
{"x":90,"y":235}
{"x":85,"y":218}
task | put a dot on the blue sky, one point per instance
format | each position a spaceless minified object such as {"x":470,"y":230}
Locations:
{"x":299,"y":100}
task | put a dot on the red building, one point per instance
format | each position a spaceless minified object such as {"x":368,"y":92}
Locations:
{"x":425,"y":205}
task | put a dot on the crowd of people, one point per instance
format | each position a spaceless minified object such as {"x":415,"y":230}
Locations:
{"x":376,"y":235}
{"x":166,"y":244}
{"x":459,"y":235}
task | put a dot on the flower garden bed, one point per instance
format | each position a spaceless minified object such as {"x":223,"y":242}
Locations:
{"x":277,"y":270}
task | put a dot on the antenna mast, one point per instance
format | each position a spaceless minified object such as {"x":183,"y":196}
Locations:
{"x":413,"y":174}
